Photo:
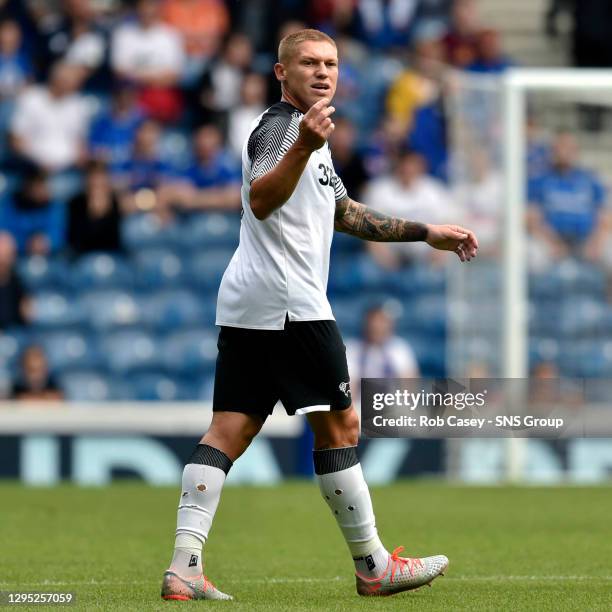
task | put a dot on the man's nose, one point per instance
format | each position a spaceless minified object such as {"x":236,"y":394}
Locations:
{"x":321,"y":70}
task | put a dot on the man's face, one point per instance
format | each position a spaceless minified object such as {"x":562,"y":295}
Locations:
{"x":311,"y":73}
{"x":565,"y":151}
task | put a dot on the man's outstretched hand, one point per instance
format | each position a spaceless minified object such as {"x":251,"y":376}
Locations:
{"x":453,"y":238}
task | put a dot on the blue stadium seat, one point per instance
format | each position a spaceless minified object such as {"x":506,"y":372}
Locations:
{"x":108,"y":308}
{"x":172,"y":308}
{"x":206,"y":267}
{"x":69,"y":349}
{"x":131,"y":350}
{"x":142,"y":230}
{"x":88,"y":386}
{"x":587,"y":358}
{"x":55,"y":309}
{"x":206,"y":230}
{"x":12,"y":342}
{"x":190,"y":351}
{"x":581,"y":316}
{"x":571,"y":277}
{"x":344,"y":277}
{"x":157,"y":268}
{"x":39,"y":272}
{"x":426,"y":314}
{"x":97,"y":270}
{"x":156,"y":386}
{"x":543,"y":349}
{"x":175,"y":145}
{"x":346,"y":244}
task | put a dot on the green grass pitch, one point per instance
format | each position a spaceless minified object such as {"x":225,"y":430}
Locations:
{"x":279,"y":548}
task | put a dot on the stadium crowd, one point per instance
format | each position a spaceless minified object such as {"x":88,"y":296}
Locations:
{"x":121,"y":129}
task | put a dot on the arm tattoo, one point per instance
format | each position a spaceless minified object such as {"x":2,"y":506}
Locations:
{"x":358,"y":220}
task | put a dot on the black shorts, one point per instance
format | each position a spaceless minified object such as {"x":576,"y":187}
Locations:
{"x":303,"y":366}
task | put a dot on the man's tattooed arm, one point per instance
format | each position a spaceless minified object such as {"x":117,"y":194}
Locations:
{"x":358,"y":220}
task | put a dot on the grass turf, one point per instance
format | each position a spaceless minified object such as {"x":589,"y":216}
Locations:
{"x":279,"y":548}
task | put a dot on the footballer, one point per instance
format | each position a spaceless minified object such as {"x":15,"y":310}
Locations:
{"x":278,"y":339}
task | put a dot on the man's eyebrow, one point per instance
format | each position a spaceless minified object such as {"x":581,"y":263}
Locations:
{"x":312,"y":58}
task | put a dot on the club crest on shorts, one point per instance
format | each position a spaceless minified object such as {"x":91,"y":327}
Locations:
{"x":345,"y":387}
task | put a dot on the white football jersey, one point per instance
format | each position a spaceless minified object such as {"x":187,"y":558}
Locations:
{"x":281,"y":265}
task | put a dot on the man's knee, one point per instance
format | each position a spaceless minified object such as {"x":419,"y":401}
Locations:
{"x":232,"y":432}
{"x":337,"y":430}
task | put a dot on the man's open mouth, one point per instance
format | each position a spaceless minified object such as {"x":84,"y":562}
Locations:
{"x":321,"y":86}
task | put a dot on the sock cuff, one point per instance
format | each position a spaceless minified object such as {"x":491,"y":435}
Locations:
{"x":209,"y":455}
{"x":334,"y":459}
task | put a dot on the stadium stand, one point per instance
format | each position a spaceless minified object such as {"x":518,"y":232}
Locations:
{"x":139,"y":324}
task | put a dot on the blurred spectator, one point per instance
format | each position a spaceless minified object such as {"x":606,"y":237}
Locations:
{"x":149,"y":54}
{"x":213,"y":181}
{"x":538,"y":149}
{"x":333,"y":17}
{"x":461,"y":41}
{"x":35,"y":383}
{"x":144,"y":171}
{"x":13,"y":300}
{"x":490,"y":57}
{"x":419,"y":83}
{"x":50,"y":122}
{"x":416,"y":99}
{"x":567,"y":212}
{"x":36,"y":222}
{"x":252,"y":104}
{"x":201,"y":23}
{"x":385,"y":146}
{"x":286,"y":28}
{"x":481,"y":200}
{"x":348,"y":162}
{"x":15,"y":67}
{"x":76,"y":40}
{"x":113,"y":132}
{"x":93,"y":215}
{"x":379,"y":353}
{"x":385,"y":24}
{"x":218,"y":90}
{"x":408,"y":193}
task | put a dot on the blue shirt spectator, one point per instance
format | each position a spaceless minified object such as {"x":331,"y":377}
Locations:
{"x":15,"y":66}
{"x":213,"y":180}
{"x":144,"y":168}
{"x":36,"y":222}
{"x":570,"y":201}
{"x":112,"y":132}
{"x":567,"y":199}
{"x":219,"y":171}
{"x":491,"y":58}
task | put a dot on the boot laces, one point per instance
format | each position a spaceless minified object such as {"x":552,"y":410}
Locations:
{"x":399,"y":564}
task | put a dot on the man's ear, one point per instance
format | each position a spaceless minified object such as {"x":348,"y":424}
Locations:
{"x":280,"y":72}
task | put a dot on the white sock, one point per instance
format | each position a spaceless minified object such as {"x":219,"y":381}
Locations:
{"x":345,"y":490}
{"x":200,"y":494}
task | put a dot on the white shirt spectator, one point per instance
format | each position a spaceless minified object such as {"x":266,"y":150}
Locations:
{"x":426,"y":200}
{"x":52,"y":129}
{"x":393,"y":359}
{"x":156,"y":48}
{"x":86,"y":50}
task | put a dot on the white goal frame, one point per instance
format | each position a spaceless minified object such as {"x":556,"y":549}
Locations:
{"x":516,"y":84}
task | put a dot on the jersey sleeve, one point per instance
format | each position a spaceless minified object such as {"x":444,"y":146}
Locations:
{"x":270,"y":141}
{"x":339,"y":188}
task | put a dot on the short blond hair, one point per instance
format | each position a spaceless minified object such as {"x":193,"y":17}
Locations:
{"x":289,"y":44}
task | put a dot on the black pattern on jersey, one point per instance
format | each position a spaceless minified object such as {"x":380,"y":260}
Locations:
{"x":271,"y":139}
{"x":277,"y":130}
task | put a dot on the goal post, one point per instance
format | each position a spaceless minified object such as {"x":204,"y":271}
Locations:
{"x":504,"y":140}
